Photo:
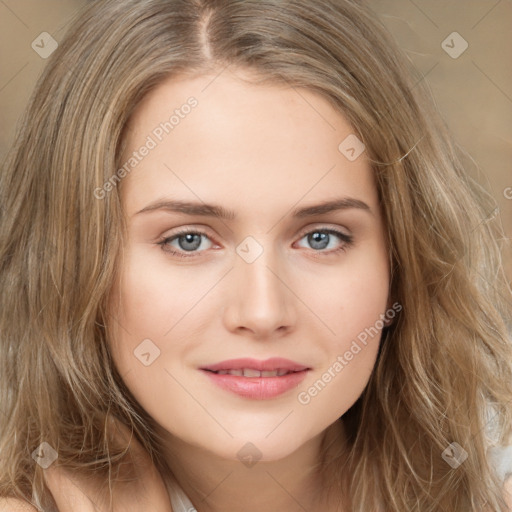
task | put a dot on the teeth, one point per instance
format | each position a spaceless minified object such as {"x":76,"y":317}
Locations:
{"x":249,"y":372}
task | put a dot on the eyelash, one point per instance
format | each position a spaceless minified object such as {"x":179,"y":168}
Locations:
{"x":348,"y":240}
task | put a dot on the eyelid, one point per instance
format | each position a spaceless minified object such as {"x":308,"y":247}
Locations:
{"x":186,"y":230}
{"x":323,"y":227}
{"x":205,"y":231}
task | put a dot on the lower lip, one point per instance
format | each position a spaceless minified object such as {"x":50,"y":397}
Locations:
{"x":257,"y":388}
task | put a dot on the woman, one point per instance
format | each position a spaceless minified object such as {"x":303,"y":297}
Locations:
{"x":243,"y":268}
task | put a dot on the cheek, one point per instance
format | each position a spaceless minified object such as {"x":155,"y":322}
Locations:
{"x":362,"y":306}
{"x":152,"y":299}
{"x":143,"y":310}
{"x":154,"y":295}
{"x":352,"y":299}
{"x":162,"y":303}
{"x":352,"y":305}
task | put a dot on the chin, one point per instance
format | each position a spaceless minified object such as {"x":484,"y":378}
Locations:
{"x":251,"y":447}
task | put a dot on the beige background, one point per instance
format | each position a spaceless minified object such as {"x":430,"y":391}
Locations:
{"x":473,"y":91}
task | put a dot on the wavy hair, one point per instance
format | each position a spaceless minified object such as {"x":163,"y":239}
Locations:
{"x":442,"y":365}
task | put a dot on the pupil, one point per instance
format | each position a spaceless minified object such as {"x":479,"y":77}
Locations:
{"x":189,"y":239}
{"x":319,"y":238}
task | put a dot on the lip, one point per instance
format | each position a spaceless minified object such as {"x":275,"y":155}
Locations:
{"x":274,"y":363}
{"x":257,"y":388}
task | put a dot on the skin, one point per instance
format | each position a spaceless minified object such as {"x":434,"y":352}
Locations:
{"x":144,"y":490}
{"x":261,"y":151}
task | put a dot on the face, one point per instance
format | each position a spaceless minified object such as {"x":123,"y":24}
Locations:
{"x":230,"y":256}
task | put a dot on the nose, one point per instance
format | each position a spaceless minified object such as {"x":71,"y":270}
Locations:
{"x":259,"y":300}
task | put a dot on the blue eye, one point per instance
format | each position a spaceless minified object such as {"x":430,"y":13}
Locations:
{"x":319,"y":239}
{"x":189,"y":241}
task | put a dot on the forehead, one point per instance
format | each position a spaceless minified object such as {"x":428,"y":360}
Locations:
{"x":224,"y":138}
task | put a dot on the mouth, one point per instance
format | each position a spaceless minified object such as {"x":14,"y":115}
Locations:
{"x":255,"y":379}
{"x":253,"y":373}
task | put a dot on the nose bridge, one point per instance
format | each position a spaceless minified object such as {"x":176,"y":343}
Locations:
{"x":257,"y":268}
{"x":261,"y":301}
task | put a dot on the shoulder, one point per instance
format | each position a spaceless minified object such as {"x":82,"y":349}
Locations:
{"x":15,"y":505}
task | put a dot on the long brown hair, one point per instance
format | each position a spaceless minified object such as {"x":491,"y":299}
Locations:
{"x":443,"y":364}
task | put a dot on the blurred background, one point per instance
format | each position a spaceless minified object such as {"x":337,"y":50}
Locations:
{"x":463,"y":48}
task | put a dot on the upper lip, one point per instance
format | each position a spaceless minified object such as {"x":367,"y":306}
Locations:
{"x":274,"y":363}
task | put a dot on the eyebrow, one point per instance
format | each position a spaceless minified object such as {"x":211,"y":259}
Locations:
{"x":211,"y":210}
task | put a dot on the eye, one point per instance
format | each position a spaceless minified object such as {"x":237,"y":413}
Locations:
{"x":320,"y":239}
{"x":187,"y":240}
{"x":190,"y":241}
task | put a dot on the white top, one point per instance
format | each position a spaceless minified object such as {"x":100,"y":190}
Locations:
{"x":179,"y":500}
{"x":500,"y":457}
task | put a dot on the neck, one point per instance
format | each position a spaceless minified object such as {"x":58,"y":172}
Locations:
{"x":291,"y":484}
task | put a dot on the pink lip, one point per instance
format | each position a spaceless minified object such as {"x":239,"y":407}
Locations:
{"x":274,"y":363}
{"x":257,"y":388}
